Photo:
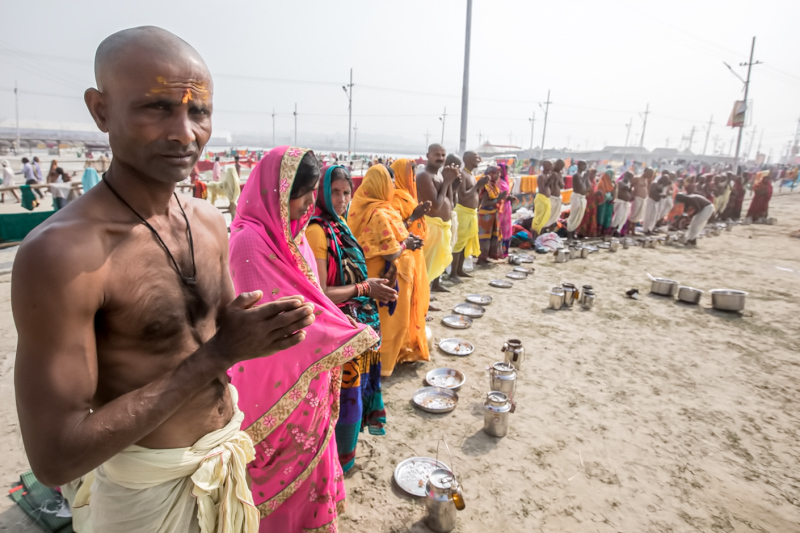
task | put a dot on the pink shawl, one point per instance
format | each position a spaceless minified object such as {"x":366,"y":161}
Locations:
{"x":290,"y":400}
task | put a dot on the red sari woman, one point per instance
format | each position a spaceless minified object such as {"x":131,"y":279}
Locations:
{"x":762,"y":194}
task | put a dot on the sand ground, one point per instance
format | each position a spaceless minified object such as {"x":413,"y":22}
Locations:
{"x":636,"y":416}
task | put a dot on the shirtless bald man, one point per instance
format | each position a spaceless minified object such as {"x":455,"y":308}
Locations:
{"x":142,"y":325}
{"x":439,"y":190}
{"x":556,"y":184}
{"x":577,"y":203}
{"x":466,"y":211}
{"x":541,"y":202}
{"x":640,"y":185}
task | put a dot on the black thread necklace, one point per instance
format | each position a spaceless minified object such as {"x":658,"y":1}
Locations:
{"x":187,"y":280}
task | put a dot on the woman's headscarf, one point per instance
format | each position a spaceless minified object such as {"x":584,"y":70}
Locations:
{"x":405,"y":194}
{"x":230,"y":184}
{"x":266,"y":253}
{"x":606,"y":184}
{"x":376,"y":193}
{"x":346,"y":262}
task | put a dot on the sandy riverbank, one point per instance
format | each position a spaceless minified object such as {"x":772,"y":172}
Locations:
{"x":636,"y":416}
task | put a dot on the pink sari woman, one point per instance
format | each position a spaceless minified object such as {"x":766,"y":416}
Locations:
{"x":504,"y":209}
{"x":291,"y":399}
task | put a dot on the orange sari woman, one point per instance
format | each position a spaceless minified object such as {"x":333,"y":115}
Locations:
{"x":388,"y":248}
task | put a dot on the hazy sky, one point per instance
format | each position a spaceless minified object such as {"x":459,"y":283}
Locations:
{"x":603,"y":61}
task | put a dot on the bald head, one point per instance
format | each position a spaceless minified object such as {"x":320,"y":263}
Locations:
{"x":146,"y":43}
{"x":154,"y":99}
{"x":471,"y":160}
{"x":436,"y":155}
{"x":453,"y":159}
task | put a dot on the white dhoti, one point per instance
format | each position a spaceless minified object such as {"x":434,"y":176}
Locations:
{"x":651,"y":210}
{"x":555,"y":210}
{"x":666,"y":205}
{"x":699,"y":222}
{"x":637,"y":210}
{"x":577,"y":208}
{"x":202,"y":488}
{"x":621,"y":211}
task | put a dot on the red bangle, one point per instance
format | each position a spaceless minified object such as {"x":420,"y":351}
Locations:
{"x":402,"y":246}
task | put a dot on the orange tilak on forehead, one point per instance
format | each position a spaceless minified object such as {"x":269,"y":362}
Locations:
{"x":195,"y":91}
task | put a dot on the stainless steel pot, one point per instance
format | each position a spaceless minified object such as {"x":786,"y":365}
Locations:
{"x":690,"y":295}
{"x":584,"y":252}
{"x":587,"y":299}
{"x":664,"y":286}
{"x":570,"y":293}
{"x":728,"y":299}
{"x":556,"y":298}
{"x":614,"y":245}
{"x":561,"y":255}
{"x":625,"y":244}
{"x":503,"y":378}
{"x":496,"y":410}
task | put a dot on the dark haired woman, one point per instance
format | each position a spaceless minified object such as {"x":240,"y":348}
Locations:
{"x":291,"y":399}
{"x":343,"y":277}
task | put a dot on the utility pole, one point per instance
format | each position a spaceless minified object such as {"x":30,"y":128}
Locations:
{"x":544,"y":129}
{"x":749,"y":65}
{"x":708,"y":132}
{"x":443,"y":118}
{"x":480,"y":138}
{"x":750,"y":144}
{"x":532,"y":120}
{"x":644,"y":126}
{"x":16,"y":103}
{"x":691,"y":138}
{"x":273,"y":127}
{"x":427,"y":139}
{"x":348,"y":90}
{"x":716,"y":142}
{"x":462,"y":141}
{"x":760,"y":140}
{"x":295,"y":123}
{"x":797,"y":138}
{"x":628,"y":134}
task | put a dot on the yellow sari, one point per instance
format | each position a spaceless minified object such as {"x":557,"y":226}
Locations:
{"x":378,"y":227}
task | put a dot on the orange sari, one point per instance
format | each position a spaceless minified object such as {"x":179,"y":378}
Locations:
{"x":378,"y":227}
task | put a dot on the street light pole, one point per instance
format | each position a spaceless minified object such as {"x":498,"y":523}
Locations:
{"x":443,"y":118}
{"x":462,"y":142}
{"x":532,"y":121}
{"x":644,"y":126}
{"x":544,"y":128}
{"x":348,"y":90}
{"x":746,"y":92}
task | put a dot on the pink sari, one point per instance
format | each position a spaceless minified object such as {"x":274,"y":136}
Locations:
{"x":504,"y":210}
{"x":291,"y":399}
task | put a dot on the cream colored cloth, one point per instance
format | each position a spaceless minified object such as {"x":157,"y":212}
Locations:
{"x":202,"y":488}
{"x":577,"y":208}
{"x":555,"y":210}
{"x":637,"y":212}
{"x":621,"y":211}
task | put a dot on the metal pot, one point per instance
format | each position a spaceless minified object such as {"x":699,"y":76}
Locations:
{"x":587,"y":299}
{"x":729,"y":226}
{"x":689,"y":295}
{"x":442,"y":492}
{"x":561,"y":255}
{"x":570,"y":292}
{"x":496,"y":410}
{"x":503,"y":378}
{"x":664,"y":286}
{"x":584,"y":252}
{"x":514,"y":259}
{"x":626,"y":244}
{"x":727,"y":299}
{"x":556,"y":298}
{"x":614,"y":246}
{"x":682,"y":238}
{"x":515,"y":353}
{"x":585,"y":289}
